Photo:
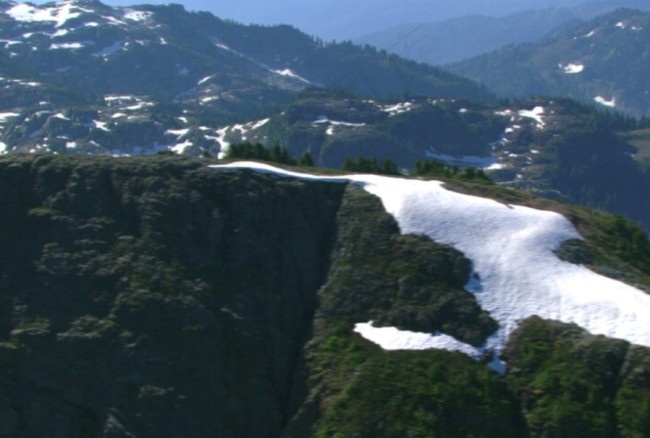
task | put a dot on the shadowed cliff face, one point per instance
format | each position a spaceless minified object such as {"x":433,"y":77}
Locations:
{"x":155,"y":297}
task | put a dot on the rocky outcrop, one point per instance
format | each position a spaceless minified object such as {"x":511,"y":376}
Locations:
{"x":572,"y":383}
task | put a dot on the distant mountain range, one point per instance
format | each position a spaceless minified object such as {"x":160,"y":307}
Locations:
{"x":341,"y":20}
{"x":459,"y":38}
{"x":164,"y":51}
{"x":605,"y":60}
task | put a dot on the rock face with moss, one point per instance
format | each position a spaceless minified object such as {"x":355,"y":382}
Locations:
{"x":159,"y":297}
{"x":155,"y":297}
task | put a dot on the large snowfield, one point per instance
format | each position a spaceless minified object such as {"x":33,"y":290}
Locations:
{"x":516,"y":273}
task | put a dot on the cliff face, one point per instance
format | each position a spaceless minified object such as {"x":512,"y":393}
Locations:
{"x":155,"y":297}
{"x":158,"y":297}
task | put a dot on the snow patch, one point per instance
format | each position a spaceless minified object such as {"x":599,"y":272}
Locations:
{"x":180,"y":147}
{"x":60,"y":33}
{"x":209,"y":99}
{"x":291,"y":74}
{"x":391,"y":338}
{"x":101,"y":125}
{"x":601,"y":100}
{"x":322,"y":120}
{"x":180,"y":133}
{"x":114,"y":21}
{"x":67,"y":46}
{"x":535,"y":114}
{"x":204,"y":80}
{"x":398,"y":108}
{"x":138,"y":106}
{"x":572,"y":69}
{"x":224,"y":146}
{"x":119,"y":99}
{"x":5,"y":116}
{"x":134,"y":15}
{"x":59,"y":14}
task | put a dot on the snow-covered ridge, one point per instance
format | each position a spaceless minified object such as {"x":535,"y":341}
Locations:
{"x":60,"y":13}
{"x":516,"y":271}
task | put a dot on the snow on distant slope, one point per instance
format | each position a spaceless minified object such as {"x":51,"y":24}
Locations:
{"x":60,"y":13}
{"x":516,"y":271}
{"x":535,"y":114}
{"x":601,"y":100}
{"x":289,"y":73}
{"x":572,"y":69}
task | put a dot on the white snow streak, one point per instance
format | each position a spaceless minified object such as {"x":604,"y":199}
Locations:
{"x":133,"y":15}
{"x":601,"y":100}
{"x":535,"y":114}
{"x":572,"y":69}
{"x":5,"y":116}
{"x":325,"y":120}
{"x":68,"y":46}
{"x":287,"y":72}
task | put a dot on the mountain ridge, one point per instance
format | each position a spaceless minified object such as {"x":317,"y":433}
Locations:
{"x":580,"y":62}
{"x":148,"y":300}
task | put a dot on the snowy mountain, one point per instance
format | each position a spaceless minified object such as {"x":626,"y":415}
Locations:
{"x":584,"y":62}
{"x":166,"y":51}
{"x":122,"y":80}
{"x":556,"y":148}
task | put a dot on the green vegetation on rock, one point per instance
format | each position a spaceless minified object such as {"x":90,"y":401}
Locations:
{"x":159,"y":296}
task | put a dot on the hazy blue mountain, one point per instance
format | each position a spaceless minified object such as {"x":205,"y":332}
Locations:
{"x":459,"y":38}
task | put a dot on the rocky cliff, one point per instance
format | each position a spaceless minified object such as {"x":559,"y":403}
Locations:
{"x":159,"y":297}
